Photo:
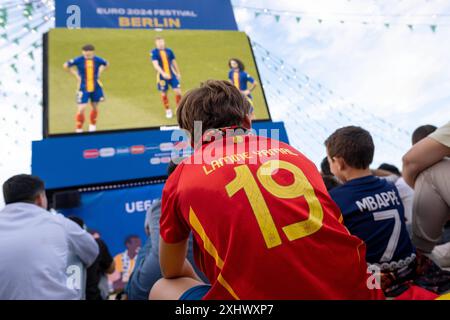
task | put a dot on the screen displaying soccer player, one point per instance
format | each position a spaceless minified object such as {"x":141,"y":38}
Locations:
{"x":168,"y":73}
{"x":87,"y":69}
{"x":149,"y":71}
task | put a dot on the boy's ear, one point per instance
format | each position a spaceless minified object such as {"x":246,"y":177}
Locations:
{"x":247,"y":123}
{"x":340,"y":163}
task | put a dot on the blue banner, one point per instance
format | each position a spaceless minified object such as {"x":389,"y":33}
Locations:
{"x":83,"y":160}
{"x":153,"y":14}
{"x":117,"y":214}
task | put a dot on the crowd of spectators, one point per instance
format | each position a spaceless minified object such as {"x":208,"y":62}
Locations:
{"x":402,"y":217}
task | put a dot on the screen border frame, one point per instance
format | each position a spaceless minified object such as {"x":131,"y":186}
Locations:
{"x":45,"y":100}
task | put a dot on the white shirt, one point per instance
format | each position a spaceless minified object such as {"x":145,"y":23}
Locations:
{"x":407,"y":195}
{"x":405,"y":192}
{"x":35,"y":248}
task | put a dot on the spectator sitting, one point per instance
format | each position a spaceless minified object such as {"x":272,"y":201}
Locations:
{"x":35,"y":244}
{"x":147,"y":270}
{"x":124,"y":265}
{"x":103,"y":265}
{"x":371,"y":206}
{"x":404,"y":190}
{"x":373,"y":211}
{"x":325,"y":168}
{"x":261,"y":225}
{"x":422,"y":132}
{"x":330,"y":182}
{"x":426,"y":168}
{"x":328,"y":178}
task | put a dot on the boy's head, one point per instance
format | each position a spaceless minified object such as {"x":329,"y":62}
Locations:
{"x":348,"y":149}
{"x":160,"y":43}
{"x":422,"y":132}
{"x":25,"y":188}
{"x":88,"y":51}
{"x":216,"y":104}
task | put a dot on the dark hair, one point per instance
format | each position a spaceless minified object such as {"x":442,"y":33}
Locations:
{"x":216,"y":103}
{"x":88,"y":47}
{"x":239,"y":62}
{"x":390,"y":167}
{"x":330,"y":182}
{"x":77,"y":220}
{"x":422,"y":132}
{"x":22,"y":188}
{"x":353,"y":144}
{"x":325,"y":167}
{"x":173,"y":165}
{"x":131,"y":236}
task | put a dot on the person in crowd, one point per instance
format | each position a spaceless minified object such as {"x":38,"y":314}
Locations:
{"x":426,"y":168}
{"x":404,"y":190}
{"x":328,"y":178}
{"x":422,"y":132}
{"x":276,"y":234}
{"x":103,"y":265}
{"x":325,"y":167}
{"x":35,"y":244}
{"x":371,"y":206}
{"x":374,"y":212}
{"x":147,"y":270}
{"x":125,"y":262}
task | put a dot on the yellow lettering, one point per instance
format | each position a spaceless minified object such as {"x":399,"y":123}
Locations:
{"x":124,"y":22}
{"x":174,"y":23}
{"x":205,"y":169}
{"x":147,"y":22}
{"x":135,"y":22}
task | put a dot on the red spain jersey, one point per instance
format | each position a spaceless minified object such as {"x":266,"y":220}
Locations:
{"x":263,"y":223}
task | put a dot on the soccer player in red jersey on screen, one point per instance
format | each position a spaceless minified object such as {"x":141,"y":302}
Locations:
{"x":168,"y":73}
{"x":263,"y":222}
{"x":87,"y":69}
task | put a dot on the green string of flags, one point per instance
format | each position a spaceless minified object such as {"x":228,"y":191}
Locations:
{"x":3,"y":17}
{"x":362,"y":19}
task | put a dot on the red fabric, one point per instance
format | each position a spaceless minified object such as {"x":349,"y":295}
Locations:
{"x":93,"y":116}
{"x":328,"y":264}
{"x":177,"y":99}
{"x":79,"y":118}
{"x":417,"y":293}
{"x":165,"y":101}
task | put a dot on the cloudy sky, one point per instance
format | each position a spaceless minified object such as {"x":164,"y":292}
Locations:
{"x":389,"y":80}
{"x":396,"y":74}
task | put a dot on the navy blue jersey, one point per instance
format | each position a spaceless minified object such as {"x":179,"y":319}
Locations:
{"x":373,"y":211}
{"x":240,"y":79}
{"x":165,"y":59}
{"x":88,"y":71}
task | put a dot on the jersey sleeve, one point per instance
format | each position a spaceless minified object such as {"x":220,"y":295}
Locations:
{"x":154,"y":54}
{"x":171,"y":54}
{"x":230,"y":75}
{"x":173,"y":228}
{"x":249,"y":78}
{"x":74,"y":62}
{"x":102,"y":61}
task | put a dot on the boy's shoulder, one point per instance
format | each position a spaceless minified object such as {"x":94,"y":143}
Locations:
{"x":369,"y":183}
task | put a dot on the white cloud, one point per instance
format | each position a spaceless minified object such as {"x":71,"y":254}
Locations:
{"x":397,"y":74}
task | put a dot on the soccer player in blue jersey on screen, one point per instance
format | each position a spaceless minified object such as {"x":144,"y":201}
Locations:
{"x":241,"y":79}
{"x":168,"y":73}
{"x":87,"y":69}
